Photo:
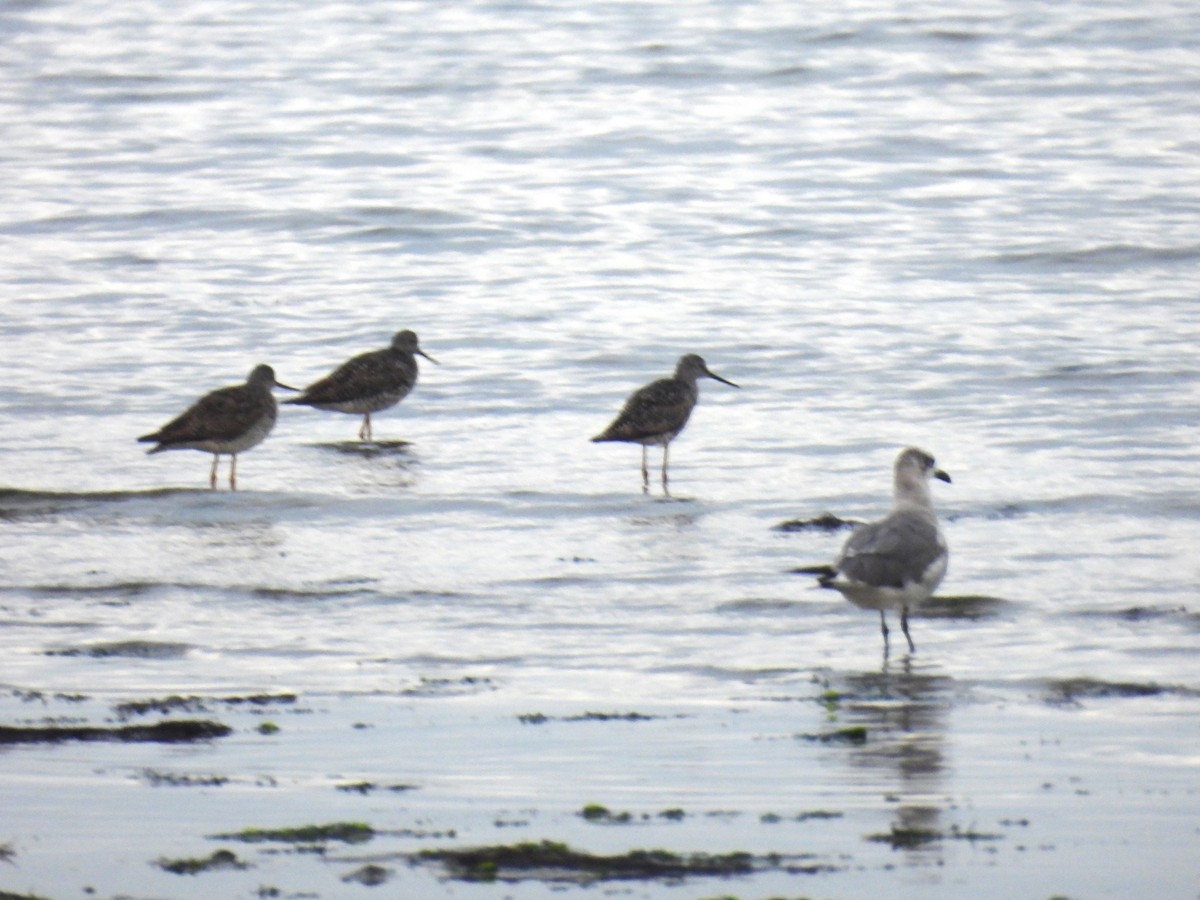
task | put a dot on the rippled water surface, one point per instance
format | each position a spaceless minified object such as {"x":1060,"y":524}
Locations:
{"x":972,"y":228}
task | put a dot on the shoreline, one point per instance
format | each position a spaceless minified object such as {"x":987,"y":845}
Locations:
{"x":822,"y":783}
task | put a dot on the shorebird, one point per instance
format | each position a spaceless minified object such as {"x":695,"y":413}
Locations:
{"x":227,"y":420}
{"x":656,"y":413}
{"x":897,"y":562}
{"x":369,"y":382}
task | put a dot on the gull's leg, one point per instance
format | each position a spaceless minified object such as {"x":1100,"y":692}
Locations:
{"x":645,"y":473}
{"x":904,"y":628}
{"x":883,"y":627}
{"x":212,"y":475}
{"x":233,"y":472}
{"x":364,"y":430}
{"x":666,"y":491}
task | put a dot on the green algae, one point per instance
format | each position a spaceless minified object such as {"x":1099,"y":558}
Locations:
{"x":855,"y":734}
{"x":220,"y":859}
{"x":346,"y":832}
{"x":552,"y":860}
{"x":910,"y":838}
{"x":176,"y":731}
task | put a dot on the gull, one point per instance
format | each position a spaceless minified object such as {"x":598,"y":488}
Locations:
{"x":897,"y":562}
{"x":656,"y":413}
{"x":369,"y":382}
{"x":227,"y":420}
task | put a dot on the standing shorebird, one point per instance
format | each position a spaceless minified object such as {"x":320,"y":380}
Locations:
{"x":227,"y":420}
{"x":369,"y":382}
{"x":897,"y":562}
{"x":656,"y":413}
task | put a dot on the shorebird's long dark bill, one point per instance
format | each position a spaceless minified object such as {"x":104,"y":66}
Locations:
{"x":286,"y":387}
{"x":427,"y":356}
{"x":941,"y":476}
{"x":717,"y":377}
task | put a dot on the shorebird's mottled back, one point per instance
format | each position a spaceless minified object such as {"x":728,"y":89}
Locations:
{"x":658,"y":412}
{"x":228,"y":420}
{"x":369,"y":382}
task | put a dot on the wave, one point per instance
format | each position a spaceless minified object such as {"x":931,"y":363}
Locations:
{"x":1104,"y":256}
{"x":19,"y":503}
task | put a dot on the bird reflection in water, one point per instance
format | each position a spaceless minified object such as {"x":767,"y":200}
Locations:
{"x":903,"y":711}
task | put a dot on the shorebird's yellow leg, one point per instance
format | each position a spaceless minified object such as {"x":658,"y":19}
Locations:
{"x":904,"y":627}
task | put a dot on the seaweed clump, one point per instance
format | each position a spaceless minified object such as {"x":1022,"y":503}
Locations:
{"x":346,"y":832}
{"x":220,"y":859}
{"x":855,"y":734}
{"x":910,"y":838}
{"x":177,"y":731}
{"x":555,"y":861}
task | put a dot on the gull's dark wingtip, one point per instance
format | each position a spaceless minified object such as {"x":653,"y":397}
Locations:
{"x":825,"y":573}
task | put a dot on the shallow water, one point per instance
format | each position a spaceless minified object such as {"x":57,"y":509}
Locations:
{"x":967,"y":228}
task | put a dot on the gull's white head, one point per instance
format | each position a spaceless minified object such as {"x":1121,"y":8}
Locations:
{"x":914,"y":468}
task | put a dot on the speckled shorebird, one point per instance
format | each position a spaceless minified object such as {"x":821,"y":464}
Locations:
{"x":897,"y":562}
{"x":656,"y":413}
{"x":369,"y":382}
{"x":227,"y":420}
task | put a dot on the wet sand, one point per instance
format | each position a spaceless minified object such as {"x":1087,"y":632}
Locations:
{"x":898,"y":781}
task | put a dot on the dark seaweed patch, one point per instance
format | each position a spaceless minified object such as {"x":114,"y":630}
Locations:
{"x":776,"y":818}
{"x":260,"y":699}
{"x":855,"y":734}
{"x":366,"y":787}
{"x":594,"y":812}
{"x":370,"y":875}
{"x":193,"y":703}
{"x":553,"y":861}
{"x":171,"y":732}
{"x":220,"y":859}
{"x":823,"y":522}
{"x":449,"y":687}
{"x":169,"y":779}
{"x":600,"y":814}
{"x":541,"y":718}
{"x":818,"y":814}
{"x":41,"y":697}
{"x":1073,"y":690}
{"x":911,"y":838}
{"x":610,"y":717}
{"x":161,"y":706}
{"x":346,"y":832}
{"x":130,"y":649}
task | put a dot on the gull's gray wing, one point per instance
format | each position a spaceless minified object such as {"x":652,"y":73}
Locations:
{"x":894,"y":551}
